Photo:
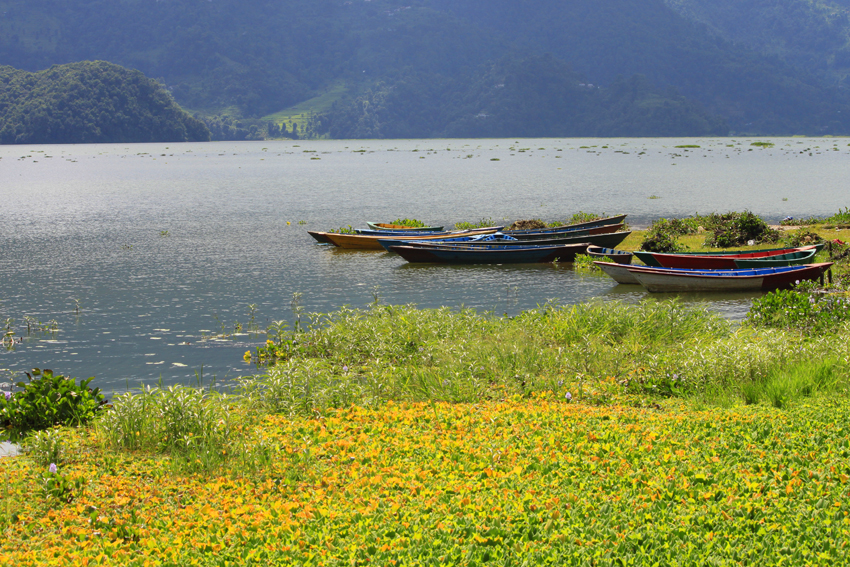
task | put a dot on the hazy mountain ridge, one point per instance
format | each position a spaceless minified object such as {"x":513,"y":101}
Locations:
{"x":253,"y":59}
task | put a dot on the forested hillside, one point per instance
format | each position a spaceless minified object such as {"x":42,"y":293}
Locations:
{"x":811,"y":34}
{"x":433,"y":67}
{"x":90,"y":102}
{"x":534,"y":97}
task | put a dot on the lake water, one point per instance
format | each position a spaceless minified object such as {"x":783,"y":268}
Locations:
{"x":142,"y":253}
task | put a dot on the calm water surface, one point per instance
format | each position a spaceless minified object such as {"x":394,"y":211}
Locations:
{"x":141,"y":254}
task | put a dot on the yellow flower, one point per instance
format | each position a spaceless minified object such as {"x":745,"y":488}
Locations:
{"x":247,"y":355}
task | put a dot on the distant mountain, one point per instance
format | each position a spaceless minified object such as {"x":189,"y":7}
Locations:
{"x":808,"y":34}
{"x":431,"y":67}
{"x":533,"y":97}
{"x":90,"y":102}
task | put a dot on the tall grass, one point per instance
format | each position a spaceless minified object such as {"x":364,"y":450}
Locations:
{"x":368,"y":357}
{"x":783,"y":386}
{"x":196,"y":427}
{"x":403,"y":353}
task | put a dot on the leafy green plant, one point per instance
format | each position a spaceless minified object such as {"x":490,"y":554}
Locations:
{"x":45,"y":447}
{"x":59,"y":486}
{"x":737,"y":229}
{"x":585,"y":262}
{"x":483,"y":223}
{"x":581,"y":216}
{"x":343,"y":230}
{"x":800,"y":311}
{"x":195,"y":426}
{"x":46,"y":400}
{"x":412,"y":223}
{"x":661,"y":237}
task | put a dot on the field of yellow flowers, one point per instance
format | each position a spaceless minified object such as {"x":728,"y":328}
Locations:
{"x":535,"y":480}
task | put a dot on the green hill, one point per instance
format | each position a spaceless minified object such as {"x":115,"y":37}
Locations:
{"x":90,"y":102}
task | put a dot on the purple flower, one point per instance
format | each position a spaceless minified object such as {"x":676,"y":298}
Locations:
{"x":569,"y":397}
{"x":345,"y":368}
{"x":8,"y":395}
{"x":52,"y":468}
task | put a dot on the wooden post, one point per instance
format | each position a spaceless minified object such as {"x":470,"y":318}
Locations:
{"x":829,"y":275}
{"x":829,"y":247}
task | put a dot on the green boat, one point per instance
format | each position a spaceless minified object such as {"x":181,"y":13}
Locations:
{"x":790,"y":259}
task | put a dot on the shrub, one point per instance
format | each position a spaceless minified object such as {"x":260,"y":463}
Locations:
{"x":526,"y":224}
{"x":805,"y":312}
{"x":661,"y":237}
{"x":412,"y":223}
{"x":803,"y":237}
{"x":46,"y":400}
{"x":584,"y":217}
{"x":483,"y":223}
{"x":737,"y":229}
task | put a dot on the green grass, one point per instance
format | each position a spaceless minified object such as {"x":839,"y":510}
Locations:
{"x":655,"y":433}
{"x":302,"y":111}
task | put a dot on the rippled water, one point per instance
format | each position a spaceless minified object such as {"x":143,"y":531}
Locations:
{"x":162,"y":246}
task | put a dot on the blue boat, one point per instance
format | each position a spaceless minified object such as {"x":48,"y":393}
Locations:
{"x":608,"y":240}
{"x":417,"y":252}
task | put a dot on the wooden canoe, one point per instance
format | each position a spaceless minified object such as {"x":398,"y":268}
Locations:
{"x":609,"y":240}
{"x":319,"y":237}
{"x":791,"y":259}
{"x":620,"y":273}
{"x":579,"y":225}
{"x":662,"y":280}
{"x":369,"y":242}
{"x":671,"y":279}
{"x":417,"y":252}
{"x":709,"y":260}
{"x":563,"y":231}
{"x":389,"y":226}
{"x":618,"y":256}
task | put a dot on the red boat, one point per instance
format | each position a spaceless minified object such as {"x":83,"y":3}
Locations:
{"x":709,"y":261}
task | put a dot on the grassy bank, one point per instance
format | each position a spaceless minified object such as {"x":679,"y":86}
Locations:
{"x":597,"y":434}
{"x":600,"y":433}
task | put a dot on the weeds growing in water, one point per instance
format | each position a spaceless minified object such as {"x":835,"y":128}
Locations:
{"x":483,"y":223}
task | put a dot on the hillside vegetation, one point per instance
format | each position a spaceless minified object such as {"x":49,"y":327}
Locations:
{"x":811,"y":34}
{"x":434,"y":67}
{"x":90,"y":102}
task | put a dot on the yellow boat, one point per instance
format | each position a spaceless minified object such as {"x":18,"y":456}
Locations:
{"x":370,"y":242}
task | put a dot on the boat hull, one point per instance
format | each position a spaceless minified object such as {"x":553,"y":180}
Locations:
{"x":368,"y":242}
{"x":319,"y":237}
{"x":618,"y":272}
{"x":579,"y":225}
{"x":686,"y":280}
{"x":607,"y":240}
{"x":792,"y":259}
{"x":549,"y":234}
{"x":618,"y":256}
{"x":710,"y":260}
{"x":433,"y":253}
{"x":665,"y":280}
